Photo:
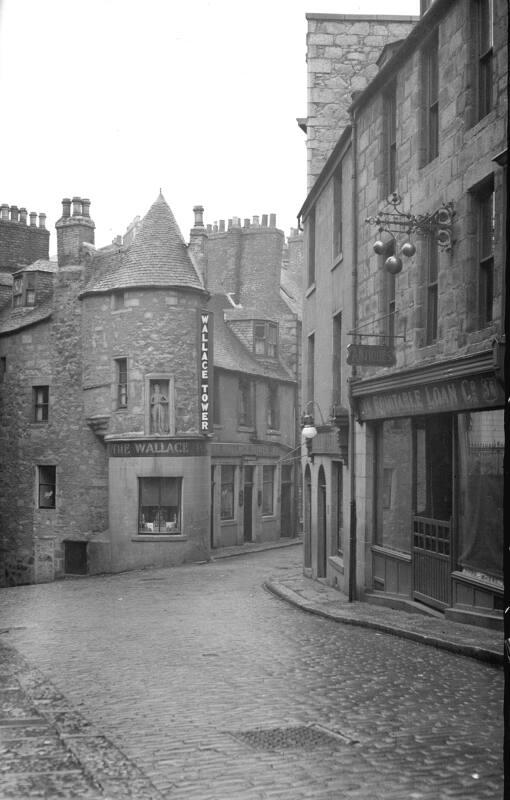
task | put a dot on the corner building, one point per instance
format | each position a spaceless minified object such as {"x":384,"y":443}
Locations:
{"x":429,"y":140}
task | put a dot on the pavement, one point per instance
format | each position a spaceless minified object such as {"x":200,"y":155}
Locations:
{"x":315,"y":597}
{"x":132,"y":687}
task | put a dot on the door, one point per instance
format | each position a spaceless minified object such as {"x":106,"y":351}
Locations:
{"x":433,"y":510}
{"x":321,"y":525}
{"x":248,"y":504}
{"x":286,"y":501}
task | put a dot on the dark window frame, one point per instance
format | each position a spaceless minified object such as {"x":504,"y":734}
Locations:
{"x":268,"y":504}
{"x":337,"y":211}
{"x":430,"y":61}
{"x":266,"y":344}
{"x":46,"y":486}
{"x":273,"y":406}
{"x":311,"y":246}
{"x":484,"y":23}
{"x":310,"y":369}
{"x":337,"y":359}
{"x":41,"y":401}
{"x":432,"y":275}
{"x":121,"y":367}
{"x":227,"y":492}
{"x":245,"y":402}
{"x":390,"y":138}
{"x":159,"y":516}
{"x":24,"y":290}
{"x":485,"y":198}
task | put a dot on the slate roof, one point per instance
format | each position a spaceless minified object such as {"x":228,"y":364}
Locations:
{"x":12,"y":319}
{"x":41,"y":265}
{"x":158,"y":256}
{"x":231,"y":354}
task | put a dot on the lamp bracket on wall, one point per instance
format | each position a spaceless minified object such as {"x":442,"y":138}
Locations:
{"x":436,"y":223}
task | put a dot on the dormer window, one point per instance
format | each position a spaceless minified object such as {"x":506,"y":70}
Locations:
{"x":265,"y":339}
{"x":23,"y":290}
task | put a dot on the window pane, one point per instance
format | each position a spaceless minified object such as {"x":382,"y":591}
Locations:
{"x":160,"y":505}
{"x":227,"y":491}
{"x":47,"y":486}
{"x":394,"y":485}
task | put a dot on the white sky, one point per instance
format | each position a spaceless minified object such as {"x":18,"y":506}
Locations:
{"x":113,"y":99}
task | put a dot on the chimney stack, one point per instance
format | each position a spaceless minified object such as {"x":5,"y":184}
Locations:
{"x":73,"y":230}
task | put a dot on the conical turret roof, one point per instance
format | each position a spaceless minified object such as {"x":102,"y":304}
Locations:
{"x":158,"y":257}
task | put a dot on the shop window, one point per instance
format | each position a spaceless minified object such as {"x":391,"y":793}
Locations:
{"x":310,"y":227}
{"x":245,"y":402}
{"x":47,"y":486}
{"x":122,"y":382}
{"x":390,"y":139}
{"x":41,"y":403}
{"x":227,"y":491}
{"x":159,"y":506}
{"x":265,"y":339}
{"x":481,"y":447}
{"x":310,"y":369}
{"x":267,"y":491}
{"x":431,"y":97}
{"x":159,"y":393}
{"x":432,"y":291}
{"x":486,"y":229}
{"x":394,"y":485}
{"x":483,"y":19}
{"x":337,"y":212}
{"x":433,"y":468}
{"x":273,"y":407}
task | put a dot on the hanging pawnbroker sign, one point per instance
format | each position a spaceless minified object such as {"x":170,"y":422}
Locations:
{"x":372,"y":355}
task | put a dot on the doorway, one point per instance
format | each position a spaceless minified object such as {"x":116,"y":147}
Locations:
{"x":307,"y":518}
{"x":286,"y":501}
{"x":321,"y":525}
{"x":248,"y":504}
{"x":433,"y":510}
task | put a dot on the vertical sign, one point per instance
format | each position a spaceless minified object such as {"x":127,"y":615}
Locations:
{"x":205,"y":374}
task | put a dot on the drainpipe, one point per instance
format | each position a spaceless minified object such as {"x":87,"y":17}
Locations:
{"x":352,"y":442}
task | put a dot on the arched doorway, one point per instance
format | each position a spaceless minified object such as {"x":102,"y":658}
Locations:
{"x":308,"y":518}
{"x":321,"y":524}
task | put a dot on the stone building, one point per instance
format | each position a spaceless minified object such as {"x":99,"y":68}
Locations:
{"x":107,"y":399}
{"x":427,"y":140}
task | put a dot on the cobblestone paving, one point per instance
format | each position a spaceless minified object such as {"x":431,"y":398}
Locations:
{"x":196,"y":683}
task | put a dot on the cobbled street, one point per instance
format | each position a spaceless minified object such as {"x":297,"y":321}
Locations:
{"x":179,"y":676}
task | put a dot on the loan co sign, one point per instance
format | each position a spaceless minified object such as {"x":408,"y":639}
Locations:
{"x":205,"y":405}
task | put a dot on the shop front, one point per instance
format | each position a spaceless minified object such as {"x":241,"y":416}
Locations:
{"x":435,"y":502}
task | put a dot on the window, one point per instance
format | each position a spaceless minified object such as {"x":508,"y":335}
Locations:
{"x":122,"y":382}
{"x":486,"y":225}
{"x":432,"y":291}
{"x":41,"y":400}
{"x":310,"y":374}
{"x":267,"y":491}
{"x":17,"y":292}
{"x":390,"y":133}
{"x":47,"y":480}
{"x":337,"y":360}
{"x":484,"y":42}
{"x":431,"y":80}
{"x":245,"y":402}
{"x":337,"y":212}
{"x":394,"y":485}
{"x":159,"y":406}
{"x":227,"y":491}
{"x":118,"y":300}
{"x":23,"y":290}
{"x":265,"y":339}
{"x":159,"y":506}
{"x":433,"y":467}
{"x":3,"y":367}
{"x":311,"y":247}
{"x":273,"y":407}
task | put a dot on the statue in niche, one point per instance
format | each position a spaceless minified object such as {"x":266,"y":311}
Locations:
{"x":159,"y":410}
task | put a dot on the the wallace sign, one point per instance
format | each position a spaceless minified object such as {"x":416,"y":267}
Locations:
{"x":177,"y":448}
{"x":381,"y":355}
{"x":455,"y":395}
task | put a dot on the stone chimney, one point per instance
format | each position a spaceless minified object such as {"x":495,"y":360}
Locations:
{"x":197,"y":244}
{"x":73,"y":229}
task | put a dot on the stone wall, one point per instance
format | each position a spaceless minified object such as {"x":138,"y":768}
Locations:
{"x":466,"y":153}
{"x":342,"y":53}
{"x":21,"y":243}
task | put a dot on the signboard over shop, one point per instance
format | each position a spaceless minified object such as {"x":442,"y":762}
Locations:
{"x":374,"y":355}
{"x":454,"y":395}
{"x":176,"y":448}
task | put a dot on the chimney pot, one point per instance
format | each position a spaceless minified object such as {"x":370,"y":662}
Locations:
{"x":222,"y":225}
{"x":272,"y":220}
{"x":247,"y":222}
{"x":33,"y":219}
{"x":255,"y":220}
{"x":85,"y":207}
{"x":66,"y":207}
{"x":209,"y":228}
{"x":230,"y":223}
{"x":199,"y":216}
{"x":77,"y":207}
{"x":42,"y":220}
{"x":4,"y":210}
{"x":264,"y":220}
{"x":23,"y":216}
{"x":14,"y":213}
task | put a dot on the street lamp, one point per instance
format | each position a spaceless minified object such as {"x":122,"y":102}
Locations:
{"x":308,"y":431}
